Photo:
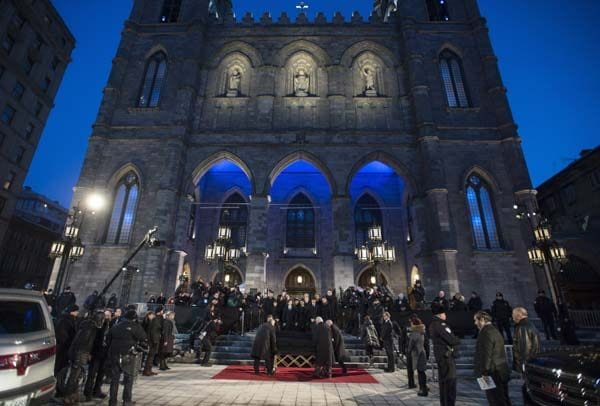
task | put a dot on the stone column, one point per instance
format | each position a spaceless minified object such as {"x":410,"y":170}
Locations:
{"x":343,"y":234}
{"x":257,"y":243}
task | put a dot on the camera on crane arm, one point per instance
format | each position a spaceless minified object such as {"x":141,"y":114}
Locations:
{"x":152,"y":239}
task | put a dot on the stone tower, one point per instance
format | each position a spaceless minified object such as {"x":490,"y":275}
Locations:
{"x":298,"y":134}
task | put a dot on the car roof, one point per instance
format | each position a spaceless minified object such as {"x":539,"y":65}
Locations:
{"x":24,"y":293}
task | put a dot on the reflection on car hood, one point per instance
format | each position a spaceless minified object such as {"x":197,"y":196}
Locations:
{"x":584,"y":360}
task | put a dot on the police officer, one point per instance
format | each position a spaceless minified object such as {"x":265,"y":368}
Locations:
{"x":123,"y":339}
{"x":444,"y":349}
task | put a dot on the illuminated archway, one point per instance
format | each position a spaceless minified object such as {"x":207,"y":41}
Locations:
{"x":367,"y":278}
{"x":299,"y":281}
{"x":414,"y":275}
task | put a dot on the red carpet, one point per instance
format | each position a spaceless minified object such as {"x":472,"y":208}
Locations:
{"x":246,"y":373}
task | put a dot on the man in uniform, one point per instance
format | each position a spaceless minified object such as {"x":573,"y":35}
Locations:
{"x":444,"y":349}
{"x":122,"y":341}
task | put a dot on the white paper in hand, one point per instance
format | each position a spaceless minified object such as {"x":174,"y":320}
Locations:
{"x":486,"y":383}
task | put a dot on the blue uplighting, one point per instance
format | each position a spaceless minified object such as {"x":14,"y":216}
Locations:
{"x":379,"y":180}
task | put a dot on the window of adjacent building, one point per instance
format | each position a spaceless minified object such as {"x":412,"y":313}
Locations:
{"x":9,"y":180}
{"x":568,"y":193}
{"x":54,"y":64}
{"x":300,"y":229}
{"x":19,"y":154}
{"x":38,"y":108}
{"x":438,"y":10}
{"x":123,"y":212}
{"x":2,"y":204}
{"x":453,"y":79}
{"x":8,"y":42}
{"x":481,"y":211}
{"x":367,"y":213}
{"x":18,"y":90}
{"x":151,"y":88}
{"x":170,"y":11}
{"x":234,"y":214}
{"x":8,"y":113}
{"x":29,"y":131}
{"x":28,"y":65}
{"x":46,"y":84}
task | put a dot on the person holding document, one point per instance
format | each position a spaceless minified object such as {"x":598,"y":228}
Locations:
{"x":490,"y":361}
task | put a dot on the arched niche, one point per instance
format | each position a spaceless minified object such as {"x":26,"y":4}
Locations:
{"x":230,"y":276}
{"x":368,"y":76}
{"x":302,"y":76}
{"x":368,"y":278}
{"x":234,"y":75}
{"x":298,"y":281}
{"x":415,"y":274}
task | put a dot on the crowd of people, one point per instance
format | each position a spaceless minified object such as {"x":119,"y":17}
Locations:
{"x":104,"y":341}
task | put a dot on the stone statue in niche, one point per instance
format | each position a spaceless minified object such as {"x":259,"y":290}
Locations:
{"x":234,"y":81}
{"x":301,"y":82}
{"x":368,"y":73}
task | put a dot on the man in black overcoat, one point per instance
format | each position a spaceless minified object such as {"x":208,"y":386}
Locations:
{"x":445,"y":344}
{"x":546,"y":310}
{"x":339,"y":349}
{"x":154,"y":336}
{"x":324,"y":356}
{"x":490,"y":359}
{"x":66,"y":328}
{"x":209,"y":338}
{"x":387,"y":336}
{"x":265,"y":346}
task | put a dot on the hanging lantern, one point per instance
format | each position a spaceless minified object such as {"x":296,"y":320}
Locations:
{"x":373,"y":280}
{"x":389,"y":253}
{"x":76,"y":251}
{"x":542,"y":233}
{"x":558,"y":253}
{"x":57,"y":249}
{"x":227,"y":278}
{"x":379,"y":252}
{"x":362,"y":254}
{"x":375,"y":233}
{"x":224,"y":233}
{"x":233,"y":254}
{"x":299,"y":279}
{"x":71,"y":231}
{"x":209,"y":253}
{"x":535,"y":255}
{"x":220,"y":250}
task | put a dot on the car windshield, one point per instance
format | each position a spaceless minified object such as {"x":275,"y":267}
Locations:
{"x":17,"y":317}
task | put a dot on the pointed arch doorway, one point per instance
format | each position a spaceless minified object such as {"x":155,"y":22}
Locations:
{"x":300,"y":281}
{"x":230,"y":277}
{"x":368,"y":278}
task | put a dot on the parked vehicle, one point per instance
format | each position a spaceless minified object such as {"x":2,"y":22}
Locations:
{"x":566,"y":377}
{"x":27,"y":348}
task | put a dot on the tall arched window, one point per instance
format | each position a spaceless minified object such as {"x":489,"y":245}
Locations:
{"x":234,"y":215}
{"x":156,"y":69}
{"x":170,"y":11}
{"x":300,"y":230}
{"x":452,"y":76}
{"x":123,"y":211}
{"x":366,"y":214}
{"x":483,"y":221}
{"x":438,"y":11}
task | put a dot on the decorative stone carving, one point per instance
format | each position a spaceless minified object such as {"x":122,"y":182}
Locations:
{"x":369,"y":73}
{"x":384,"y":8}
{"x":301,"y":82}
{"x":233,"y":83}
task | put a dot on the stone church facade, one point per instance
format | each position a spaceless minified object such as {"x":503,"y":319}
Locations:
{"x":273,"y":121}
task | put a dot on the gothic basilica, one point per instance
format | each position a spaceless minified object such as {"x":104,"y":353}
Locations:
{"x":299,"y":135}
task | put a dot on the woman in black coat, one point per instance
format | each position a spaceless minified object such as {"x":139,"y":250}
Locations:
{"x":324,"y":356}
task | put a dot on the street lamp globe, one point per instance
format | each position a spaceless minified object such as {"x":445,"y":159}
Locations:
{"x":95,"y":201}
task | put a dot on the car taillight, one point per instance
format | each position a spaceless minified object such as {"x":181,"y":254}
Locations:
{"x":22,"y":361}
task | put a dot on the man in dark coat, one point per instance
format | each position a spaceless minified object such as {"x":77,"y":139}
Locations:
{"x":444,"y":350}
{"x":546,"y":311}
{"x":66,"y":328}
{"x":64,"y":300}
{"x":112,"y":301}
{"x":93,"y":302}
{"x":333,"y":305}
{"x":526,"y":344}
{"x":164,"y":350}
{"x":209,"y":338}
{"x":501,"y":314}
{"x":79,"y":355}
{"x":417,"y":296}
{"x":269,"y":305}
{"x":387,"y":337}
{"x":376,"y":313}
{"x":475,"y":304}
{"x":441,"y":300}
{"x":95,"y":376}
{"x":154,"y":336}
{"x":122,"y":340}
{"x":324,"y":356}
{"x":339,"y":349}
{"x":265,"y":346}
{"x":490,"y":359}
{"x":325,"y":309}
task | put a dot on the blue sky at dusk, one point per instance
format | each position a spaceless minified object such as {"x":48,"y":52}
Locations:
{"x":547,"y":49}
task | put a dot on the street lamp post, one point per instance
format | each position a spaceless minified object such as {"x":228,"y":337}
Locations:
{"x":69,"y":248}
{"x":222,"y":251}
{"x":544,"y":251}
{"x":376,"y":251}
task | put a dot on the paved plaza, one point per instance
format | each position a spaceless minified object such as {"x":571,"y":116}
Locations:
{"x":192,"y":385}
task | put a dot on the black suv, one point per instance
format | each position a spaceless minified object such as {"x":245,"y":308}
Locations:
{"x":565,"y":377}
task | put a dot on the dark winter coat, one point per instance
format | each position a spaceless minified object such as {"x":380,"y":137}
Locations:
{"x":311,"y":311}
{"x":288,"y":317}
{"x":265,"y":342}
{"x":325,"y":312}
{"x":323,"y":345}
{"x":416,"y":347}
{"x":123,"y":336}
{"x":458,"y":305}
{"x":526,"y":344}
{"x":84,"y":339}
{"x":387,"y":332}
{"x":167,"y":339}
{"x":501,"y":310}
{"x":442,"y":301}
{"x":112,"y":302}
{"x":339,"y":349}
{"x":269,"y":307}
{"x":475,"y":304}
{"x":544,"y":307}
{"x":63,"y":301}
{"x":490,"y":358}
{"x":444,"y":341}
{"x":154,"y":330}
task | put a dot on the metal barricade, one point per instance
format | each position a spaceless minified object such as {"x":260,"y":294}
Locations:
{"x":585,"y":318}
